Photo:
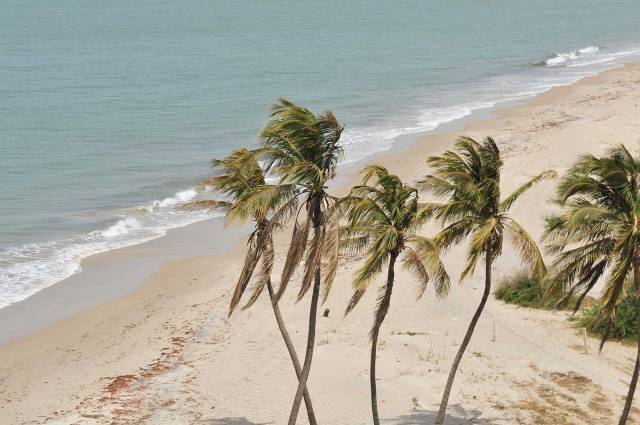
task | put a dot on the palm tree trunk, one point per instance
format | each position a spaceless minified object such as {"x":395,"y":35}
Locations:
{"x":636,"y":369}
{"x":311,"y":338}
{"x":384,"y":307}
{"x":292,"y":352}
{"x":316,"y":216}
{"x":467,"y":338}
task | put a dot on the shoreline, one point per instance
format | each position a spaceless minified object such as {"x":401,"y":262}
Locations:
{"x":55,"y":302}
{"x":474,"y":110}
{"x":105,"y":263}
{"x":171,"y":327}
{"x":134,"y":265}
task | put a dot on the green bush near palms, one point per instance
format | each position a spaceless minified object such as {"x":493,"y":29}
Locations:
{"x":624,"y":325}
{"x":528,"y":290}
{"x":520,"y":289}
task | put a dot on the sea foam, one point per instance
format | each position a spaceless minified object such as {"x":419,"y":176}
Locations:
{"x":562,"y":58}
{"x":27,"y":269}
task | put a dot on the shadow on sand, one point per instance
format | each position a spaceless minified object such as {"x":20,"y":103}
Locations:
{"x":233,"y":421}
{"x":456,"y":416}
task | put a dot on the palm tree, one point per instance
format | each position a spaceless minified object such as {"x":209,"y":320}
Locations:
{"x":303,"y":149}
{"x":248,"y":197}
{"x":597,"y":235}
{"x":383,"y":221}
{"x":469,"y":178}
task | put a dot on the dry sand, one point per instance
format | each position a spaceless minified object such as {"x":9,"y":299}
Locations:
{"x":167,"y":353}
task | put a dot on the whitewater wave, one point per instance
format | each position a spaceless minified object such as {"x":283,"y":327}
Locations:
{"x":358,"y":142}
{"x":563,"y":58}
{"x":27,"y":269}
{"x":559,"y":70}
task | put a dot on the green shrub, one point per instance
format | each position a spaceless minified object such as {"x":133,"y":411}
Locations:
{"x":527,"y":291}
{"x":625,"y":324}
{"x":520,"y":289}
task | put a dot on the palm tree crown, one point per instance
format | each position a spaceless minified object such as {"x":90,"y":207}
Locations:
{"x":247,"y":196}
{"x":470,"y":179}
{"x":383,"y":219}
{"x":303,"y":150}
{"x":304,"y":147}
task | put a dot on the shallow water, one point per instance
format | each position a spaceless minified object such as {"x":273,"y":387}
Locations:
{"x":109,"y":111}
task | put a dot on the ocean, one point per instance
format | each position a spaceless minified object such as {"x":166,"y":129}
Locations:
{"x":110,"y":111}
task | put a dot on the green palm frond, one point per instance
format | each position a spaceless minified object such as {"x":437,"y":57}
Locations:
{"x":207,"y":204}
{"x":468,"y":178}
{"x":454,"y":233}
{"x":371,"y":268}
{"x":506,"y":204}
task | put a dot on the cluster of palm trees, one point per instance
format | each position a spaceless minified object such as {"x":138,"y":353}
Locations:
{"x":285,"y":181}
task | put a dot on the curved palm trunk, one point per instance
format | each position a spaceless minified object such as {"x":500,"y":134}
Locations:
{"x":384,"y":307}
{"x":636,"y":369}
{"x":467,"y":338}
{"x":292,"y":352}
{"x":316,"y":217}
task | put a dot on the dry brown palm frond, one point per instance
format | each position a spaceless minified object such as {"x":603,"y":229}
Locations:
{"x":411,"y":262}
{"x":297,"y":248}
{"x":285,"y":212}
{"x":355,"y":299}
{"x":331,"y":255}
{"x":526,"y":247}
{"x":312,"y":263}
{"x":250,"y":263}
{"x":382,"y":306}
{"x":265,"y":273}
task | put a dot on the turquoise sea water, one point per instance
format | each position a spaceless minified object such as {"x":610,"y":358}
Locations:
{"x":109,"y":111}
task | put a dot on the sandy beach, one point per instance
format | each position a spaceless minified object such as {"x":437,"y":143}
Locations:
{"x":166,"y":353}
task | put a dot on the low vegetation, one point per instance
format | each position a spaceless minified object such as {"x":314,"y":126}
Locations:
{"x":624,"y":325}
{"x":528,"y":291}
{"x":521,"y":289}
